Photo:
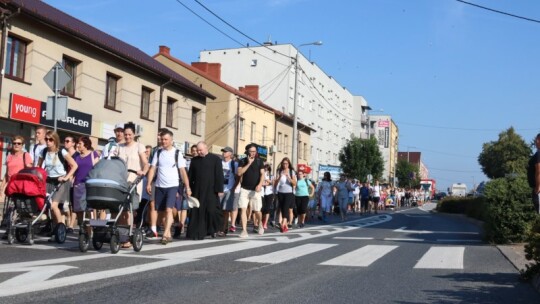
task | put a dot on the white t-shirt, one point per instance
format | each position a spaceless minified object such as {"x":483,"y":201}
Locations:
{"x":228,"y":177}
{"x":269,"y":189}
{"x":376,"y":191}
{"x":167,"y":171}
{"x":325,"y":188}
{"x":53,"y":165}
{"x":36,"y":154}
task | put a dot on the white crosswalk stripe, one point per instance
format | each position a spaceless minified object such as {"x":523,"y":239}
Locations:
{"x":442,"y":258}
{"x":362,"y":257}
{"x":287,"y":254}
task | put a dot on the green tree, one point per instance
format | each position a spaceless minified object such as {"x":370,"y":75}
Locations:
{"x":509,"y":154}
{"x":360,"y":157}
{"x":404,"y":170}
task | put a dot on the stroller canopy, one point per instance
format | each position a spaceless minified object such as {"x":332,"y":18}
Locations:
{"x":113,"y":169}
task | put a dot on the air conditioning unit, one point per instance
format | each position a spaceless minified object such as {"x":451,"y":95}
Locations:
{"x":273,"y":149}
{"x":138,"y":130}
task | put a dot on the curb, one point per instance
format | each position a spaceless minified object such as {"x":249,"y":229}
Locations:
{"x":515,"y":254}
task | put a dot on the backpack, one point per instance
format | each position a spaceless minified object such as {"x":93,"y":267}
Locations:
{"x":60,"y":157}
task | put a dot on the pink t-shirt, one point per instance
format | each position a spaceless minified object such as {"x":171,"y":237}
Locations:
{"x":14,"y":163}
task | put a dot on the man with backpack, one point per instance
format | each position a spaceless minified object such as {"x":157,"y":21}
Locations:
{"x":170,"y":164}
{"x":251,"y":169}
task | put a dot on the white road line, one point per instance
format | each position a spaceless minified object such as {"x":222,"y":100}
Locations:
{"x":216,"y":250}
{"x":362,"y":257}
{"x":352,"y":238}
{"x":402,"y":230}
{"x":442,"y":258}
{"x":280,"y":256}
{"x":458,"y":241}
{"x":404,"y":239}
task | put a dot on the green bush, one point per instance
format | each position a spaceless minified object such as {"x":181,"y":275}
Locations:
{"x":532,"y":251}
{"x":509,"y":210}
{"x":472,"y":207}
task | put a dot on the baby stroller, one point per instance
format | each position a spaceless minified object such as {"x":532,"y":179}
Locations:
{"x":107,"y":188}
{"x":30,"y":207}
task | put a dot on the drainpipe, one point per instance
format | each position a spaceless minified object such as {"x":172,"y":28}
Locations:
{"x":160,"y":110}
{"x":5,"y":15}
{"x":237,"y":126}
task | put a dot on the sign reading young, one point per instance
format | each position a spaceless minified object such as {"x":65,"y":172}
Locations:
{"x":34,"y":111}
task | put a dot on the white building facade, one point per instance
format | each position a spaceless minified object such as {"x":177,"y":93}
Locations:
{"x":360,"y":117}
{"x":387,"y":134}
{"x":323,"y":104}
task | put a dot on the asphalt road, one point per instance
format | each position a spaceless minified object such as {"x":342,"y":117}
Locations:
{"x":404,"y":256}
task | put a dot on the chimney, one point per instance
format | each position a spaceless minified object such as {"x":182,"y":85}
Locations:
{"x":165,"y":50}
{"x":211,"y":69}
{"x":252,"y":90}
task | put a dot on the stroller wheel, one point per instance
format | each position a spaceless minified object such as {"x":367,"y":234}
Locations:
{"x":60,"y":233}
{"x":10,"y":236}
{"x":137,"y":240}
{"x":97,"y":245}
{"x":21,"y":235}
{"x":83,"y":242}
{"x":115,"y":243}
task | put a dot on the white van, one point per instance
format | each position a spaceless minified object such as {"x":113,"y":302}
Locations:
{"x":459,"y":189}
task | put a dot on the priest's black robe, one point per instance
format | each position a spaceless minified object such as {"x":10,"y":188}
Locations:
{"x":206,"y":181}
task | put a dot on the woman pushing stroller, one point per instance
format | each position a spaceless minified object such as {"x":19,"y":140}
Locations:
{"x":60,"y":168}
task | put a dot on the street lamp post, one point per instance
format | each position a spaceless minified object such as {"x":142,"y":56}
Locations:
{"x":295,"y":103}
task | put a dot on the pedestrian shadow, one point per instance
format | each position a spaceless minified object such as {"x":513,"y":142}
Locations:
{"x":485,"y":288}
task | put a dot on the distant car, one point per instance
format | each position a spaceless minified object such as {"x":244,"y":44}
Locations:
{"x":439,"y":196}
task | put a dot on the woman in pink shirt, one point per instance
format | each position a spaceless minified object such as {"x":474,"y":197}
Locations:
{"x":17,"y":159}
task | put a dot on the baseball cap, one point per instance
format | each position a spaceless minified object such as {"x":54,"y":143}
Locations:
{"x":227,"y":149}
{"x":119,"y":126}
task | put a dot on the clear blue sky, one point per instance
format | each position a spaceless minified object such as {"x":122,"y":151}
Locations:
{"x":452,"y":76}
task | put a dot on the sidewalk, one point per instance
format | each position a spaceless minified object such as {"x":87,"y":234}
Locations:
{"x":515,"y":254}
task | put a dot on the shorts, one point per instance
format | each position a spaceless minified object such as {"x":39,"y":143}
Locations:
{"x":376,"y":199}
{"x":62,"y":194}
{"x":165,"y":198}
{"x":302,"y":204}
{"x":250,"y":197}
{"x":228,"y":203}
{"x":181,"y":202}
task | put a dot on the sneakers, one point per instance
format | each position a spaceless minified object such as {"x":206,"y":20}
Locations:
{"x":232,"y":229}
{"x":255,"y":229}
{"x":244,"y":234}
{"x":151,"y":234}
{"x":284,"y":228}
{"x":261,"y":230}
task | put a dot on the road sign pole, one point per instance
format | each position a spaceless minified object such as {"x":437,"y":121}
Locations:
{"x":55,"y":95}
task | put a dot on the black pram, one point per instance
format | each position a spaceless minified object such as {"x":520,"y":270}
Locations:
{"x":107,"y":188}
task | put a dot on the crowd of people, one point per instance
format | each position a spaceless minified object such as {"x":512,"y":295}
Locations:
{"x":200,"y":196}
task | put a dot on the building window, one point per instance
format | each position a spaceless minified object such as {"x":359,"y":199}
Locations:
{"x":70,"y":66}
{"x":241,"y":128}
{"x":286,"y":144}
{"x":264,"y":134}
{"x":279,"y":142}
{"x":112,"y":91}
{"x":253,"y":132}
{"x":145,"y":103}
{"x":169,"y":118}
{"x":15,"y":58}
{"x":195,"y":120}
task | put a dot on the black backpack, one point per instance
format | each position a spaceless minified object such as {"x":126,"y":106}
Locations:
{"x":60,"y":157}
{"x":176,"y":154}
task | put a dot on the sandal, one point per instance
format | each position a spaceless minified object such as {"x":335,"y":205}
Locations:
{"x":166,"y":240}
{"x":126,"y":245}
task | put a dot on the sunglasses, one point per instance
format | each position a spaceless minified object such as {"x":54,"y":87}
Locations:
{"x":49,"y":139}
{"x":17,"y":143}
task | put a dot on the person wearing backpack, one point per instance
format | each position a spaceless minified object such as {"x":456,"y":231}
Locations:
{"x":284,"y":184}
{"x":304,"y":189}
{"x":60,"y":168}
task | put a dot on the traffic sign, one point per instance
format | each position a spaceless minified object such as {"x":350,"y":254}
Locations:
{"x":61,"y":110}
{"x":63,"y":77}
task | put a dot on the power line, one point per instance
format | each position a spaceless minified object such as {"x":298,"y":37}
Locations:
{"x":499,"y":12}
{"x":457,"y":128}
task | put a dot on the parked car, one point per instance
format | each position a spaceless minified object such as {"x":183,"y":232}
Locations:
{"x":439,"y":196}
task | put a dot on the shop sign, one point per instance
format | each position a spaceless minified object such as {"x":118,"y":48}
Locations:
{"x":34,"y":111}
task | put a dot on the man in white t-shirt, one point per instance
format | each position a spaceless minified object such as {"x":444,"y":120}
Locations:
{"x":39,"y":145}
{"x":169,"y":164}
{"x":376,"y":195}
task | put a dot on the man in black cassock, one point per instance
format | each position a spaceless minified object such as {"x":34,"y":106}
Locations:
{"x":206,"y":183}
